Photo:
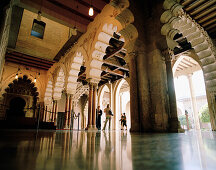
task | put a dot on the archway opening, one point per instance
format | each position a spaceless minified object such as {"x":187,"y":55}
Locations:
{"x":104,"y":100}
{"x":20,"y":101}
{"x":190,"y":93}
{"x":122,"y":103}
{"x":16,"y":108}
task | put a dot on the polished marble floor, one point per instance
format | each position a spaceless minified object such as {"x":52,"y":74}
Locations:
{"x":74,"y":150}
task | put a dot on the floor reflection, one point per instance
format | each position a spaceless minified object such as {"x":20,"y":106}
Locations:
{"x":106,"y":150}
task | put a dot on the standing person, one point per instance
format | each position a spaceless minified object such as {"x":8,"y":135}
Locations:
{"x":108,"y":116}
{"x":98,"y":117}
{"x":123,"y":121}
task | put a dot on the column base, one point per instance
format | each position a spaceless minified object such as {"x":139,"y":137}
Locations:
{"x":92,"y":128}
{"x":175,"y":126}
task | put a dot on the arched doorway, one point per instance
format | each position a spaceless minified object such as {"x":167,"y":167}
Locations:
{"x":104,"y":99}
{"x":20,"y":102}
{"x":190,"y":91}
{"x":122,"y":102}
{"x":16,"y":108}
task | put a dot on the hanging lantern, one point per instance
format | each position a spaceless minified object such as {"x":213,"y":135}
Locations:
{"x":91,"y":11}
{"x":38,"y":27}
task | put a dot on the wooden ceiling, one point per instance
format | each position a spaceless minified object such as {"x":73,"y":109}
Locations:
{"x":68,"y":12}
{"x":27,"y":60}
{"x":203,"y":12}
{"x":186,"y":66}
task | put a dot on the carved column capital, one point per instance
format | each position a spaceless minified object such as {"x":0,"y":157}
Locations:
{"x":168,"y":55}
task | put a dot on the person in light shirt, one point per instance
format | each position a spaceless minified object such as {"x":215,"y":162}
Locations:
{"x":109,"y":114}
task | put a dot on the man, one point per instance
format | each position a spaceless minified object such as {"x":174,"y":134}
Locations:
{"x":108,"y":116}
{"x":123,"y":121}
{"x":98,"y":117}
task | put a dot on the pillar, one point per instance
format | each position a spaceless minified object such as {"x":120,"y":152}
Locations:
{"x":66,"y":111}
{"x":158,"y":91}
{"x":94,"y":106}
{"x":112,"y":107}
{"x":194,"y":103}
{"x":45,"y":116}
{"x":42,"y":111}
{"x":135,"y":117}
{"x":90,"y":106}
{"x":173,"y":118}
{"x":143,"y":89}
{"x":187,"y":120}
{"x":212,"y":108}
{"x":55,"y":113}
{"x":69,"y":112}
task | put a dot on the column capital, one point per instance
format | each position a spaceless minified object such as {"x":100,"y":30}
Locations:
{"x":93,"y":82}
{"x":168,"y":54}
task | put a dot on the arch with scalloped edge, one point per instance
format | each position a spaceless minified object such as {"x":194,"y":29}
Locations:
{"x":59,"y":85}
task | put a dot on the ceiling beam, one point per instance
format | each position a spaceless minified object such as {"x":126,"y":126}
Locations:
{"x":26,"y":64}
{"x":29,"y":57}
{"x":115,"y":64}
{"x":116,"y":51}
{"x":203,"y":13}
{"x":10,"y":56}
{"x":70,"y":10}
{"x":88,"y":5}
{"x":114,"y":72}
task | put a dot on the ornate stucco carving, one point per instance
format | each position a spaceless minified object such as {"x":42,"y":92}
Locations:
{"x":59,"y":85}
{"x":174,"y":18}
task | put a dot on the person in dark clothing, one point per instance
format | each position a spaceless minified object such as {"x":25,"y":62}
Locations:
{"x":123,"y":121}
{"x":98,"y":118}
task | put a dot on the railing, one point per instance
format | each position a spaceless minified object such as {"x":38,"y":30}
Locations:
{"x":39,"y":115}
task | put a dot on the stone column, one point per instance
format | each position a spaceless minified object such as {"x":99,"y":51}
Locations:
{"x":112,"y":107}
{"x":45,"y":116}
{"x":194,"y":103}
{"x":173,"y":118}
{"x":53,"y":111}
{"x":66,"y":111}
{"x":143,"y":89}
{"x":42,"y":111}
{"x":158,"y":91}
{"x":55,"y":115}
{"x":187,"y":120}
{"x":211,"y":97}
{"x":69,"y":112}
{"x":94,"y":107}
{"x":135,"y":116}
{"x":120,"y":103}
{"x":90,"y":107}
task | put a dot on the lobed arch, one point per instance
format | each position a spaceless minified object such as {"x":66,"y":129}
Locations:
{"x":59,"y":84}
{"x":9,"y":79}
{"x":175,"y":21}
{"x":48,"y":93}
{"x":120,"y":22}
{"x":77,"y":62}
